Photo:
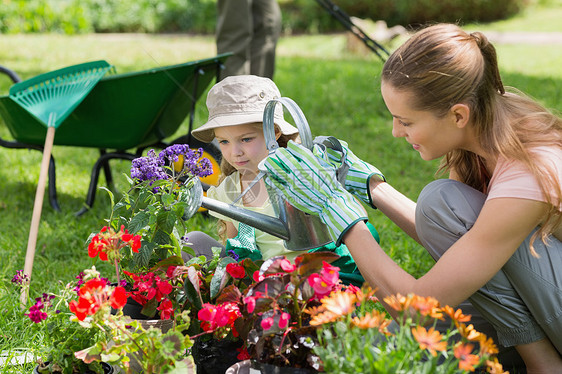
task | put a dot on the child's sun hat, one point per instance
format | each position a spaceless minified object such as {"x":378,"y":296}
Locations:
{"x":238,"y":100}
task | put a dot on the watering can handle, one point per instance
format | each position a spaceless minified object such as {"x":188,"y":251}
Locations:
{"x":298,"y":117}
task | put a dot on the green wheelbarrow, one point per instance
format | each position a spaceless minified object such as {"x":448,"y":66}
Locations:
{"x":122,"y":115}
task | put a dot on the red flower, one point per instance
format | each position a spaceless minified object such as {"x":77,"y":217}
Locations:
{"x":243,"y":355}
{"x":118,"y":298}
{"x":166,"y":309}
{"x":107,"y":241}
{"x":93,"y":296}
{"x":257,"y":276}
{"x":236,"y":270}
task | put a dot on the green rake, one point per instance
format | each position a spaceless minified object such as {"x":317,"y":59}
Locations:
{"x":50,"y":98}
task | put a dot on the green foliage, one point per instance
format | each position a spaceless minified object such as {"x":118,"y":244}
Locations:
{"x":309,"y":16}
{"x":36,"y":16}
{"x":81,"y":16}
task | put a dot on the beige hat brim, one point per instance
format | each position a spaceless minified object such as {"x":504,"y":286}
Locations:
{"x":206,"y":133}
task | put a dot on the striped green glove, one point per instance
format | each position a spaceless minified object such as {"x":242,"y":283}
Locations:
{"x":310,"y":184}
{"x":337,"y":153}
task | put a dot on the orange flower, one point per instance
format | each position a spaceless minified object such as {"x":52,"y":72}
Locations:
{"x":494,"y":367}
{"x":340,"y":303}
{"x":323,"y":318}
{"x":427,"y":306}
{"x":467,"y":360}
{"x":430,"y":339}
{"x":398,"y":302}
{"x":469,"y":332}
{"x":487,"y":345}
{"x":334,"y":306}
{"x":456,"y":315}
{"x":375,"y":319}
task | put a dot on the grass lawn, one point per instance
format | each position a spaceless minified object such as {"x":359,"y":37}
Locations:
{"x":338,"y":92}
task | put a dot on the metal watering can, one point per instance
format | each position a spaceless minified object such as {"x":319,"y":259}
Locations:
{"x":299,"y":230}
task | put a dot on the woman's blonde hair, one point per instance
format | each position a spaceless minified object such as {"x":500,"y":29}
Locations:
{"x":227,"y":169}
{"x":442,"y":65}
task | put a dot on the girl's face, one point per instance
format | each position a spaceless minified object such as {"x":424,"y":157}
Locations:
{"x":428,"y":134}
{"x":243,"y":146}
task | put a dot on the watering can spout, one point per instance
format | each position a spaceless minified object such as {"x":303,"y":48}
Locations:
{"x":263,"y":222}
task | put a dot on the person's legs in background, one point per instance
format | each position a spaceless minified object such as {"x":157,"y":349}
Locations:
{"x":267,"y":28}
{"x":234,"y":34}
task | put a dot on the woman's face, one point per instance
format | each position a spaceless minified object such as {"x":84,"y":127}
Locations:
{"x":243,"y":146}
{"x":428,"y":134}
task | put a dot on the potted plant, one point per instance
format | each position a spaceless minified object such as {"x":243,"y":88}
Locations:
{"x":50,"y":313}
{"x":145,"y":233}
{"x":354,"y":336}
{"x":212,"y":281}
{"x":125,"y":342}
{"x":271,"y":314}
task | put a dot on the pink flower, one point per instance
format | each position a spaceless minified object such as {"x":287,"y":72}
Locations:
{"x":284,"y":320}
{"x":207,"y":312}
{"x":319,"y":285}
{"x":330,"y":273}
{"x":287,"y":266}
{"x":250,"y":302}
{"x":267,"y":323}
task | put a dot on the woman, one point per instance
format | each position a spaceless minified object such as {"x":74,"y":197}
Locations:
{"x":495,"y":226}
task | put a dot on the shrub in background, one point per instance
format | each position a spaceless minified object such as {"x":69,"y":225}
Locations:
{"x":199,"y":16}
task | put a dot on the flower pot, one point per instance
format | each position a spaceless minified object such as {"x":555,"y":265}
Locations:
{"x":133,"y":310}
{"x":255,"y":367}
{"x":214,"y":356}
{"x":107,"y":369}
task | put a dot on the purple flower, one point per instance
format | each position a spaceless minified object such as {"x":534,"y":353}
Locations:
{"x":193,"y":163}
{"x":36,"y":313}
{"x":172,"y":153}
{"x":233,"y":254}
{"x":20,"y":279}
{"x":148,"y":168}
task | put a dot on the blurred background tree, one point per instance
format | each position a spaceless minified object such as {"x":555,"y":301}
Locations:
{"x":198,"y":16}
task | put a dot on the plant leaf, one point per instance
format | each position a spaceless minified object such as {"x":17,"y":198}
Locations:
{"x":138,"y":222}
{"x":231,"y":293}
{"x":312,"y":262}
{"x":221,"y":276}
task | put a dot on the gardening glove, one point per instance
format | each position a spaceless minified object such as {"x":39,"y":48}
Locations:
{"x":244,"y":244}
{"x":356,"y":180}
{"x":310,"y":184}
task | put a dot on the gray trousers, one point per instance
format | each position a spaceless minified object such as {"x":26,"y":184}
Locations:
{"x":523,"y":301}
{"x":202,"y":244}
{"x":250,"y":29}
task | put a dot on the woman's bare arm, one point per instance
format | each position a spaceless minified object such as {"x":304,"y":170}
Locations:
{"x":502,"y":226}
{"x":393,"y":204}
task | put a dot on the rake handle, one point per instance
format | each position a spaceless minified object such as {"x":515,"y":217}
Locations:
{"x":37,"y":207}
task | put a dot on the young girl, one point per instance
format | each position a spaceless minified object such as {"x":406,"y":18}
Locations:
{"x":494,"y":227}
{"x":236,"y":106}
